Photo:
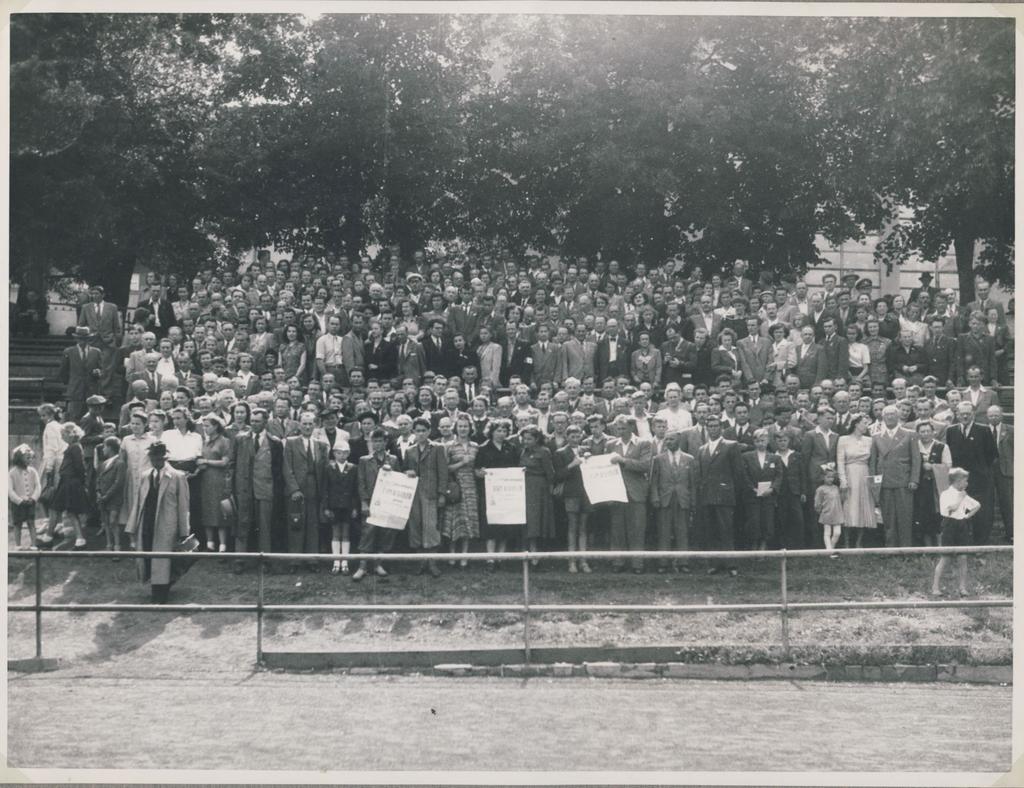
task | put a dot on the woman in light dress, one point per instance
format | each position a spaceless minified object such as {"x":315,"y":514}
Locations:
{"x":852,"y":452}
{"x":136,"y":461}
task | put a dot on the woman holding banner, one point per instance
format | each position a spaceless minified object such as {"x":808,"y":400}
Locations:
{"x":535,"y":457}
{"x":496,"y":453}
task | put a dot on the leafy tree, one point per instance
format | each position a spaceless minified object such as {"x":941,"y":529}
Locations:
{"x":920,"y":118}
{"x":105,"y":111}
{"x":357,"y":139}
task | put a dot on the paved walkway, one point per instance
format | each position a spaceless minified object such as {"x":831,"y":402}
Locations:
{"x":333,"y":722}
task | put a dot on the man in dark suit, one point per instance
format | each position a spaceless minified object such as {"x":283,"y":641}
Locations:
{"x":835,"y":353}
{"x":257,"y":482}
{"x":612,"y":354}
{"x":762,"y":480}
{"x":515,"y":356}
{"x":819,"y":448}
{"x":437,"y":351}
{"x":629,"y":520}
{"x":907,"y":360}
{"x":304,"y":467}
{"x":940,"y":354}
{"x":1002,"y":472}
{"x":81,"y":368}
{"x":742,"y":431}
{"x":707,"y":319}
{"x":792,"y":494}
{"x":972,"y":447}
{"x":721,"y":478}
{"x":976,"y":348}
{"x":162,"y":311}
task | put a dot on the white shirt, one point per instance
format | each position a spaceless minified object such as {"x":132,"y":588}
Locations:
{"x":762,"y":458}
{"x":165,"y":368}
{"x":712,"y":445}
{"x":784,"y":456}
{"x":182,"y":447}
{"x":679,"y":419}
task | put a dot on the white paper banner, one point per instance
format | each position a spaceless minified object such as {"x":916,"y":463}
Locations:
{"x":602,"y":480}
{"x":505,"y":494}
{"x":392,"y":500}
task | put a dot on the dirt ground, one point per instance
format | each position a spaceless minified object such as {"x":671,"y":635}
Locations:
{"x":328,"y":722}
{"x":160,"y":643}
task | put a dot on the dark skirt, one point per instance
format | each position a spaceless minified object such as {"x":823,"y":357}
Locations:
{"x":71,"y":496}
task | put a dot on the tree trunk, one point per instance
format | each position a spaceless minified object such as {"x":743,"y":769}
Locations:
{"x":963,"y":246}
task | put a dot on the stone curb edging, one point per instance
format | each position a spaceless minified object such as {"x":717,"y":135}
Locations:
{"x":976,"y":674}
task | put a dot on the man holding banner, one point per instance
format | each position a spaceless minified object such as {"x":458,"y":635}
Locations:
{"x":426,"y":462}
{"x":374,"y":538}
{"x":633,"y":457}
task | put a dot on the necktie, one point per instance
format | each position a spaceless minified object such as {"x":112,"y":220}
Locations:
{"x":309,"y":450}
{"x":155,"y":479}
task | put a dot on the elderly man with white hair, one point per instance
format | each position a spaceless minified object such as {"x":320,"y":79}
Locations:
{"x":896,"y":458}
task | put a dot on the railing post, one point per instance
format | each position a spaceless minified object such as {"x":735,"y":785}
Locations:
{"x":526,"y":607}
{"x":39,"y":604}
{"x":259,"y":610}
{"x":785,"y":608}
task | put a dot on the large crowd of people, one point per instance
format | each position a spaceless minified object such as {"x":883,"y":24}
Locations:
{"x":254,"y":407}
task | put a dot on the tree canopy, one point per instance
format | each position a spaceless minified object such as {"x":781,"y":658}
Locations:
{"x":166,"y":138}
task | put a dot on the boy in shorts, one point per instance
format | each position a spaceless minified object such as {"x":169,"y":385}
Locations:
{"x":957,"y":509}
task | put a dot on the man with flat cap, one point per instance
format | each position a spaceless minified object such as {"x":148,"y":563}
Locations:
{"x":158,"y":519}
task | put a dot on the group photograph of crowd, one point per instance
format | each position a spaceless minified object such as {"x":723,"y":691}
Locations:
{"x":254,"y":409}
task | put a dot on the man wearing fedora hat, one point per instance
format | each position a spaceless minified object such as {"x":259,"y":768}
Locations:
{"x":80,"y":370}
{"x":158,"y":519}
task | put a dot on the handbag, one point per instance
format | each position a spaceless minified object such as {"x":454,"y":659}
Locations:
{"x":452,"y":493}
{"x":46,"y":495}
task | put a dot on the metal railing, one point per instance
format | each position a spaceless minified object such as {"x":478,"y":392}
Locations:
{"x":784,"y":607}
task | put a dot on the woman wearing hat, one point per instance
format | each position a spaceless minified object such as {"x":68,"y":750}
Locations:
{"x":158,"y":518}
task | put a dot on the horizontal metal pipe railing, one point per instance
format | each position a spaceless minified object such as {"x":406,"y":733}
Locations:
{"x":765,"y":607}
{"x":520,"y":555}
{"x":525,"y":608}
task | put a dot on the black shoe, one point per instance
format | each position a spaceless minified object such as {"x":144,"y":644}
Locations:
{"x":432,"y":568}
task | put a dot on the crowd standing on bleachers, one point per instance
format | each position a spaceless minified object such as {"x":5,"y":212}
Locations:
{"x":255,"y":409}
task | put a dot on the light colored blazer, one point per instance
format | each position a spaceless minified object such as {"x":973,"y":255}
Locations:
{"x":671,"y":482}
{"x":171,"y":523}
{"x":897,"y":459}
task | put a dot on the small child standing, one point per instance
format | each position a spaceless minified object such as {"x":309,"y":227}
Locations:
{"x":22,"y":493}
{"x":829,"y":506}
{"x":110,"y":474}
{"x":342,"y":505}
{"x":957,"y":509}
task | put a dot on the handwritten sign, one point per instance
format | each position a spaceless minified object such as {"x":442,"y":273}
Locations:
{"x":392,"y":500}
{"x":505,"y":494}
{"x":602,"y":480}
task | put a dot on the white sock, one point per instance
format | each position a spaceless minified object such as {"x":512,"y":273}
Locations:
{"x":346,"y":546}
{"x":336,"y":546}
{"x":223,"y":548}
